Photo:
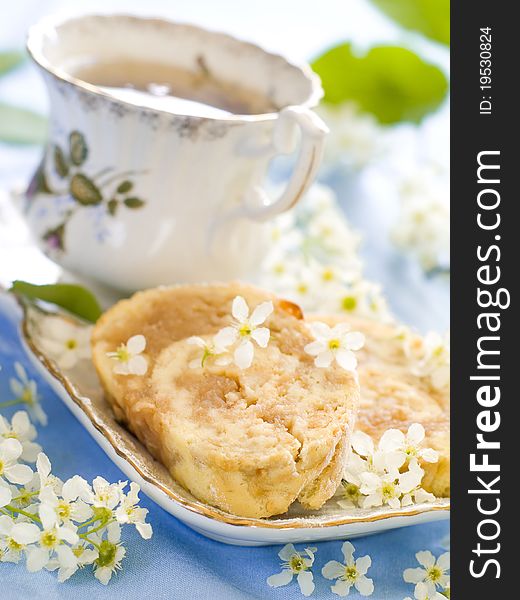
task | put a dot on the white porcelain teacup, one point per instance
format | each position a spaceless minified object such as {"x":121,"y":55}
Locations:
{"x":133,"y":195}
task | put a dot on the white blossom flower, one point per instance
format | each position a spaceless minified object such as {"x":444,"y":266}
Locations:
{"x":362,"y":298}
{"x":330,"y":238}
{"x":354,"y":136}
{"x":128,"y":357}
{"x":362,"y":443}
{"x":300,"y":285}
{"x":351,"y":483}
{"x":22,"y":430}
{"x":389,"y":487}
{"x":66,"y":342}
{"x":5,"y":494}
{"x":336,"y":343}
{"x":311,"y":284}
{"x":15,"y":537}
{"x":52,"y":543}
{"x":284,"y":232}
{"x":210,"y":348}
{"x":423,"y":224}
{"x":430,"y":357}
{"x":26,"y":391}
{"x":10,"y":469}
{"x":421,"y":593}
{"x":129,"y":512}
{"x":46,"y":478}
{"x":376,"y":461}
{"x":417,"y":496}
{"x":351,"y":494}
{"x":432,"y":572}
{"x":83,"y":554}
{"x":394,"y":440}
{"x":63,"y":526}
{"x":350,"y":573}
{"x":105,"y":494}
{"x":69,"y":505}
{"x":295,"y":563}
{"x":111,"y":553}
{"x":245,"y":329}
{"x":383,"y":475}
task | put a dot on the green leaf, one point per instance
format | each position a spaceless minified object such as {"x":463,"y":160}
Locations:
{"x":10,"y":60}
{"x":78,"y":148}
{"x":84,"y":190}
{"x":429,"y":17}
{"x":60,"y":162}
{"x":133,"y":202}
{"x":124,"y":187}
{"x":390,"y":82}
{"x":21,"y":126}
{"x":73,"y":298}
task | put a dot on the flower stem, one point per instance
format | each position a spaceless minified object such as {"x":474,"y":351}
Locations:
{"x":19,"y":511}
{"x":100,"y":526}
{"x":27,"y":495}
{"x":87,"y":539}
{"x":89,"y":522}
{"x":11,"y":402}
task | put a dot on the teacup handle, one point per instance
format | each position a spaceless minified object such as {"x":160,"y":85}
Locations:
{"x":257,"y":204}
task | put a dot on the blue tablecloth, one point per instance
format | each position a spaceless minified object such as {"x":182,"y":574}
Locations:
{"x":178,"y":563}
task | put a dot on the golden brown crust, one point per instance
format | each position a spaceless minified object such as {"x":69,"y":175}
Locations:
{"x":394,"y":397}
{"x":248,"y":441}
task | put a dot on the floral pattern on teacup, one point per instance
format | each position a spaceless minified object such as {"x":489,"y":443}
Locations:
{"x":106,"y":189}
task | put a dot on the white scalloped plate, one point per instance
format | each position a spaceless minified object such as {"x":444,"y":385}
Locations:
{"x":81,"y":391}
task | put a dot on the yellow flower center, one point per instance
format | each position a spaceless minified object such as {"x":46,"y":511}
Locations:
{"x":27,"y":396}
{"x":302,"y":288}
{"x":14,"y":545}
{"x":122,"y":354}
{"x":349,"y":303}
{"x":71,"y":344}
{"x":334,"y":344}
{"x":1,"y":467}
{"x":24,"y":497}
{"x":63,"y":510}
{"x":388,"y":490}
{"x":411,"y":451}
{"x":296,"y":563}
{"x":326,"y":231}
{"x":351,"y":573}
{"x":351,"y":490}
{"x":245,"y":330}
{"x":434,"y":574}
{"x":78,"y":551}
{"x":328,"y":275}
{"x":49,"y":539}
